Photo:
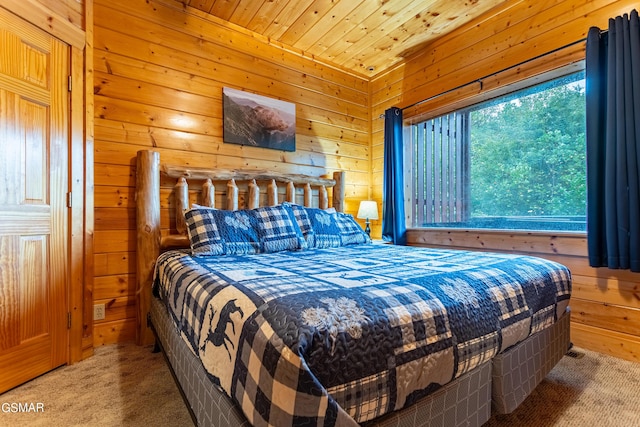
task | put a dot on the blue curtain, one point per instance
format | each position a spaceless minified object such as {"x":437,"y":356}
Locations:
{"x":394,"y":227}
{"x":613,"y":144}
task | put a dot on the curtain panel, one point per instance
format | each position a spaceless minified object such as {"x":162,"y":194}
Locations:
{"x":613,"y":144}
{"x":394,"y":228}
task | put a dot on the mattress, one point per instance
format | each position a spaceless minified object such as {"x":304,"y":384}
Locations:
{"x":349,"y":334}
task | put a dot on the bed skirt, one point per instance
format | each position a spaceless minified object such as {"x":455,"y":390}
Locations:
{"x":208,"y":404}
{"x":463,"y":402}
{"x":517,"y":371}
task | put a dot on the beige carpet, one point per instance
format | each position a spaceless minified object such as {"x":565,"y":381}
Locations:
{"x":125,"y":385}
{"x":121,"y":385}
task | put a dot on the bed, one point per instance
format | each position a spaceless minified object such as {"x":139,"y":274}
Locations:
{"x":287,"y":314}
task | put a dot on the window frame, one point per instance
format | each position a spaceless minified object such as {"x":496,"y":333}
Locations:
{"x":459,"y":100}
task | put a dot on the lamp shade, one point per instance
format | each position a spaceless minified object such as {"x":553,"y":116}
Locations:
{"x":368,"y":209}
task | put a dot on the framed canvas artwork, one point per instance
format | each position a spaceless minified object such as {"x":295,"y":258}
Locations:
{"x":258,"y":121}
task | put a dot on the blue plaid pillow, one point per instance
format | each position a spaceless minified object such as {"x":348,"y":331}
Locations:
{"x":350,"y":231}
{"x":302,"y":218}
{"x":219,"y":232}
{"x":278,"y":230}
{"x":326,"y":233}
{"x":204,"y":235}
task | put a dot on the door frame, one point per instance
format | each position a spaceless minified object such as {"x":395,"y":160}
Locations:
{"x":80,"y":201}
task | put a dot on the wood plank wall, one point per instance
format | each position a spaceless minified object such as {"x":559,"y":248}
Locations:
{"x":71,"y":10}
{"x":159,"y":73}
{"x":606,"y":307}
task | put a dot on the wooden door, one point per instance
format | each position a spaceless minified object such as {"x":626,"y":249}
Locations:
{"x":33,"y":209}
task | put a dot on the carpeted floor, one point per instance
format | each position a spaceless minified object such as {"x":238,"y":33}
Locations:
{"x":121,"y":385}
{"x":125,"y":385}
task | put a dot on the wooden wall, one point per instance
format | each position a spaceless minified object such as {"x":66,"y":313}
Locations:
{"x":606,"y":303}
{"x":159,"y":73}
{"x":71,"y":10}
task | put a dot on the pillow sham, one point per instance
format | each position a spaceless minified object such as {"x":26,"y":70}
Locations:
{"x":238,"y":230}
{"x":350,"y":231}
{"x":277,"y":229}
{"x":300,"y":214}
{"x":221,"y":232}
{"x":326,"y":233}
{"x":203,"y":232}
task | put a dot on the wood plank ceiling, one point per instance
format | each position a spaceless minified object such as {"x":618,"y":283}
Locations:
{"x":363,"y":36}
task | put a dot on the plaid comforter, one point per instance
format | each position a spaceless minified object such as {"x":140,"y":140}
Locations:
{"x":342,"y":336}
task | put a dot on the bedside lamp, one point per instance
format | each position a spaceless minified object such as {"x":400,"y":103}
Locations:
{"x":368,"y":210}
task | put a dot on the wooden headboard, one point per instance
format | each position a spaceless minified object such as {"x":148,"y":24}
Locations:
{"x":164,"y":192}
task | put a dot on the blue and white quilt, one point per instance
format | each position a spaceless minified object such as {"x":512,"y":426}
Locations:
{"x":342,"y":336}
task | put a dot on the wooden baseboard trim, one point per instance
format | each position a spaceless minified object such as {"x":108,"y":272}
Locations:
{"x":617,"y":344}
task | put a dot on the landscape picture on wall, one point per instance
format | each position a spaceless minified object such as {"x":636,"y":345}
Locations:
{"x":258,"y":121}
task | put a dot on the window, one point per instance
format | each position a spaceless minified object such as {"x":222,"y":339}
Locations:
{"x":514,"y":162}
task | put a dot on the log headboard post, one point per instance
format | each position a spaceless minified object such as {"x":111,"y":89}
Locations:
{"x":148,"y":237}
{"x":338,"y":191}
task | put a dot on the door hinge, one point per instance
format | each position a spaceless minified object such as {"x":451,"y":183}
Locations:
{"x":69,"y":79}
{"x":69,"y":199}
{"x":69,"y":320}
